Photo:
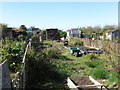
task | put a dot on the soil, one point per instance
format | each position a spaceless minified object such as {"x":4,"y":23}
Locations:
{"x":83,"y":80}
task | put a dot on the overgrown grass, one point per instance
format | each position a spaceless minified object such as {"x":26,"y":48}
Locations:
{"x":113,"y":78}
{"x":55,"y":64}
{"x":53,"y":53}
{"x":91,"y":56}
{"x":46,"y":75}
{"x":92,"y":64}
{"x":100,"y":73}
{"x":75,"y":41}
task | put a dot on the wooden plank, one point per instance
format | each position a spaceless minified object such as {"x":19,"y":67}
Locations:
{"x":99,"y":85}
{"x":88,"y":85}
{"x":71,"y":85}
{"x":25,"y":53}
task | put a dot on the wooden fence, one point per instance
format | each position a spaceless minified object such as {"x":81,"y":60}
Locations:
{"x":100,"y":44}
{"x":19,"y":82}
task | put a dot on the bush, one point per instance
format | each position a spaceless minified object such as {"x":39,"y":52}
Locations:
{"x":13,"y":51}
{"x":100,"y":73}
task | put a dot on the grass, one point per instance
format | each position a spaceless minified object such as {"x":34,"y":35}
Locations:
{"x":100,"y":73}
{"x":114,"y":77}
{"x":87,"y":63}
{"x":67,"y":65}
{"x":75,"y":41}
{"x":92,"y":64}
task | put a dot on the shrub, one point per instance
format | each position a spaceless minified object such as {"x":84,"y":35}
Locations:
{"x":100,"y":73}
{"x":13,"y":51}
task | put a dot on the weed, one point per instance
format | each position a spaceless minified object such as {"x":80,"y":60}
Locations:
{"x":100,"y":73}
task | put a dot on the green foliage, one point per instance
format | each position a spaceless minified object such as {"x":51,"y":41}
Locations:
{"x":53,"y":53}
{"x":35,"y":39}
{"x":92,"y":64}
{"x":45,"y":73}
{"x":100,"y":73}
{"x":62,"y":57}
{"x":88,"y":29}
{"x":92,"y":56}
{"x":102,"y":31}
{"x":110,"y":27}
{"x":75,"y":41}
{"x":98,"y":29}
{"x":23,"y":27}
{"x":96,"y":37}
{"x":80,"y":43}
{"x":13,"y":51}
{"x":114,"y":78}
{"x":67,"y":68}
{"x":63,"y":34}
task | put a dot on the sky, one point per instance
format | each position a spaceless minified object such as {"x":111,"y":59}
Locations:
{"x":61,"y":15}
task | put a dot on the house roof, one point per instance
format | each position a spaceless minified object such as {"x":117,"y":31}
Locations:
{"x":72,"y":29}
{"x":68,"y":30}
{"x":109,"y":31}
{"x":96,"y":33}
{"x":7,"y":28}
{"x":51,"y":29}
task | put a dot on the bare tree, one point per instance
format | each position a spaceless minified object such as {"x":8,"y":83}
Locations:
{"x":110,"y":27}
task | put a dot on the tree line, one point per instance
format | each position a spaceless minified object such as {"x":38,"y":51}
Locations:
{"x":98,"y":29}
